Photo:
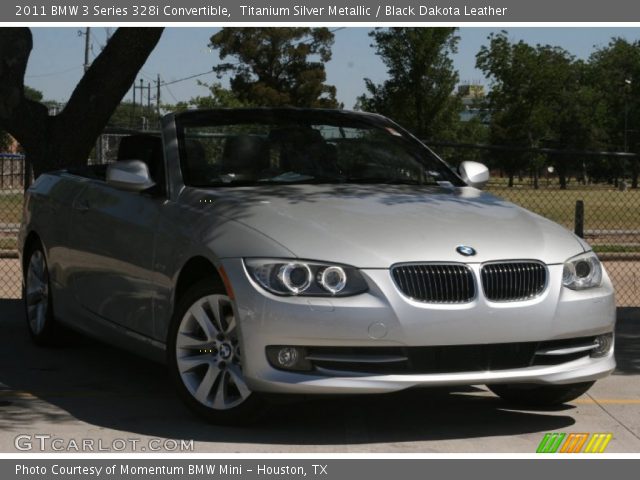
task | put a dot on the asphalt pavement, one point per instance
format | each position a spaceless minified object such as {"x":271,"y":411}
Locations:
{"x":86,"y":396}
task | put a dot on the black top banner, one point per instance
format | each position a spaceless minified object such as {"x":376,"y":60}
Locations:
{"x":320,"y":11}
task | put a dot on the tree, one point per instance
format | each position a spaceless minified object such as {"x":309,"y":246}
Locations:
{"x":615,"y":75}
{"x":66,"y":139}
{"x":533,"y":90}
{"x":31,"y":94}
{"x":419,"y":91}
{"x":5,"y":141}
{"x":128,"y":115}
{"x":281,"y":66}
{"x":219,"y":97}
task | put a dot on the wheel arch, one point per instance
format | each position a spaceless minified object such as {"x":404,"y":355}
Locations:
{"x":195,"y":269}
{"x":30,"y":242}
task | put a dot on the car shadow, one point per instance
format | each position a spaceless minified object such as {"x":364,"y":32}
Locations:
{"x":110,"y":389}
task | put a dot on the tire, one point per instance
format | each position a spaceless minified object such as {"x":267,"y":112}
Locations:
{"x":540,"y":395}
{"x":38,"y":303}
{"x":204,"y":357}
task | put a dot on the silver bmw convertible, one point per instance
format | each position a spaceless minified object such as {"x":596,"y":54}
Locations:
{"x":265,"y":251}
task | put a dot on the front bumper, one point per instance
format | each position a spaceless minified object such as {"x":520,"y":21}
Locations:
{"x":383,"y":317}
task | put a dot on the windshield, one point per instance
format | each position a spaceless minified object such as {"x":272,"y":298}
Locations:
{"x":277,"y":149}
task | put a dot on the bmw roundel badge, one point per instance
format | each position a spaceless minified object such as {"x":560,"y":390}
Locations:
{"x":465,"y":250}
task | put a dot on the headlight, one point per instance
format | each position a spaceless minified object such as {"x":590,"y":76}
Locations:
{"x":582,"y":271}
{"x":296,"y":277}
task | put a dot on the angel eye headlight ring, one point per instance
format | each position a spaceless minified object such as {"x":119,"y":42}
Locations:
{"x":296,"y":277}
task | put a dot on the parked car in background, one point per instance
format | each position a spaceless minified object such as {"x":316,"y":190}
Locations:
{"x":263,"y":251}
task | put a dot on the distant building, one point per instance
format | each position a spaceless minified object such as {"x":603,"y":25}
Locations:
{"x":472,"y":96}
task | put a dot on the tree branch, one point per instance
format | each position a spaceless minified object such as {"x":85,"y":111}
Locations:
{"x":103,"y":86}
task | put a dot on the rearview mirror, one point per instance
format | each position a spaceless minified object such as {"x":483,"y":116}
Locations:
{"x":474,"y":174}
{"x":130,"y":175}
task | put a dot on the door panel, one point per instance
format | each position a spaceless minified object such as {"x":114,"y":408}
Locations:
{"x":113,"y":240}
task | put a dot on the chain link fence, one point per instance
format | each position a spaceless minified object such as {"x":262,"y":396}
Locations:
{"x":602,"y":207}
{"x":11,"y":188}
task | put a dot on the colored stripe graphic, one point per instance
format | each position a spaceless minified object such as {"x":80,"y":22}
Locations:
{"x":573,"y":443}
{"x":550,"y":442}
{"x":581,"y":442}
{"x":606,"y":442}
{"x":598,"y":443}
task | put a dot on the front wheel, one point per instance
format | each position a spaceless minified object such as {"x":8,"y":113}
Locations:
{"x":540,"y":395}
{"x":205,"y":357}
{"x":36,"y":295}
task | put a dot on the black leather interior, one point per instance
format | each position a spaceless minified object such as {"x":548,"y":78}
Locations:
{"x":244,"y":154}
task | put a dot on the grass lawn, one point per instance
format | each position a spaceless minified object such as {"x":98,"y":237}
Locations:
{"x":10,"y":207}
{"x":8,"y":243}
{"x":604,"y":208}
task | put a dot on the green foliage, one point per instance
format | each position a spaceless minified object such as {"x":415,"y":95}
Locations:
{"x":541,"y":96}
{"x":5,"y":141}
{"x":219,"y":97}
{"x":529,"y":86}
{"x":419,"y":91}
{"x":281,"y":66}
{"x":614,"y":73}
{"x":33,"y":94}
{"x":138,"y":117}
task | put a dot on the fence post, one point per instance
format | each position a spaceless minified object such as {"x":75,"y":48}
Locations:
{"x":26,"y":172}
{"x":579,"y":219}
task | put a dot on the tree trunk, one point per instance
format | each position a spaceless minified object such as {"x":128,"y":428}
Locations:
{"x":562,"y":178}
{"x":67,"y":138}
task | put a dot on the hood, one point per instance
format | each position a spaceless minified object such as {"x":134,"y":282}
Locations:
{"x":375,"y":226}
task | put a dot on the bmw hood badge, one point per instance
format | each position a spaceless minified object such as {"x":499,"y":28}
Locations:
{"x":465,"y":250}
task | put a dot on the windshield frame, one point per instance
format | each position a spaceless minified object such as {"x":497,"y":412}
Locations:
{"x":284,"y":116}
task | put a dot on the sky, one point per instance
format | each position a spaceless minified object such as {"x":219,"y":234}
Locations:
{"x":55,"y":65}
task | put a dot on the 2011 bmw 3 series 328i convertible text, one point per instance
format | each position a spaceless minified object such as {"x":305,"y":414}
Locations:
{"x":265,"y":251}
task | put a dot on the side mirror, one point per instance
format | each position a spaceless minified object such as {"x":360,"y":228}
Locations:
{"x":474,"y":174}
{"x":130,"y":175}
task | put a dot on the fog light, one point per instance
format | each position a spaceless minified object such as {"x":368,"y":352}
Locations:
{"x":603,"y":345}
{"x":288,"y":358}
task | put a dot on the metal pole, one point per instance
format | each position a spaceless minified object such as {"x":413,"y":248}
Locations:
{"x":626,"y":122}
{"x":142,"y":99}
{"x":579,"y":219}
{"x":87,"y":47}
{"x":627,"y":87}
{"x":158,"y":97}
{"x":133,"y":107}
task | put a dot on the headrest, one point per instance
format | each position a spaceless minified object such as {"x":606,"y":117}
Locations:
{"x":245,"y":151}
{"x":140,"y":147}
{"x":296,"y":136}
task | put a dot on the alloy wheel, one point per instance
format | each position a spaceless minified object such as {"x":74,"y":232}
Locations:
{"x":37,"y":292}
{"x":208,"y":353}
